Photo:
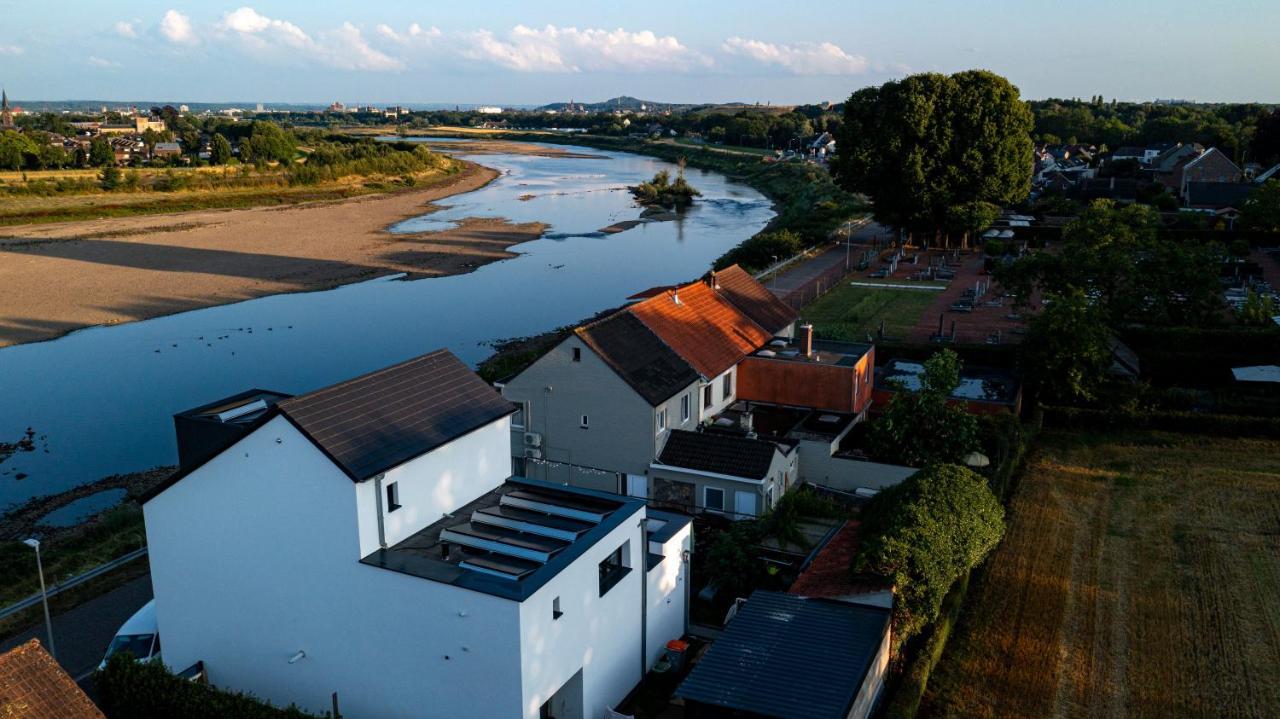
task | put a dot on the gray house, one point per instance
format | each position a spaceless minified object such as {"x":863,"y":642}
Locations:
{"x":736,"y":475}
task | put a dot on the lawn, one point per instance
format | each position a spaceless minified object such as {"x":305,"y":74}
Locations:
{"x":851,"y":313}
{"x":1139,"y":578}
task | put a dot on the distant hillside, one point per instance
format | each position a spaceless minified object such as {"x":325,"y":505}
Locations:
{"x":625,"y":102}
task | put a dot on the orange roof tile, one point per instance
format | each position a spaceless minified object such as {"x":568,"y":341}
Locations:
{"x":830,"y":574}
{"x":33,"y":686}
{"x":754,"y":299}
{"x":707,"y":330}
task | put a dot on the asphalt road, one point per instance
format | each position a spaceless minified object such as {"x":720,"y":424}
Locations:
{"x":81,"y":635}
{"x":802,"y":272}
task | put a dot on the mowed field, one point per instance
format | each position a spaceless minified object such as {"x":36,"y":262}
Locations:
{"x":851,"y":313}
{"x":1140,"y":577}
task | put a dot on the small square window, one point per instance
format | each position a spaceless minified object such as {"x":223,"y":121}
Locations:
{"x":577,"y":354}
{"x":393,"y":497}
{"x":713,"y":499}
{"x":584,"y":423}
{"x":555,"y":608}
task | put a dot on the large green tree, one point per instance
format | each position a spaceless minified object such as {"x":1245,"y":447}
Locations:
{"x":1067,"y":349}
{"x":921,"y":426}
{"x":922,"y":146}
{"x":924,"y":534}
{"x":100,"y":153}
{"x":17,"y":151}
{"x":268,"y":141}
{"x":219,"y":150}
{"x":1262,"y":210}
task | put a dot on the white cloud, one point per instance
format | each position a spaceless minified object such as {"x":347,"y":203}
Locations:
{"x":344,"y":48}
{"x":102,"y":62}
{"x":803,"y":58}
{"x":415,"y":33}
{"x":176,"y":28}
{"x":125,"y":28}
{"x":553,"y":49}
{"x":11,"y":50}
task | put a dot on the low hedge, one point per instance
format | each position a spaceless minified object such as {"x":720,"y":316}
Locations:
{"x":1229,"y":425}
{"x":905,"y":701}
{"x":129,"y":689}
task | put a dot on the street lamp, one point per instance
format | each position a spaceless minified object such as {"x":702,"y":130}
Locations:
{"x":44,"y":596}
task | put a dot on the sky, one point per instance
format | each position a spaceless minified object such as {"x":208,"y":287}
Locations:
{"x":533,"y":52}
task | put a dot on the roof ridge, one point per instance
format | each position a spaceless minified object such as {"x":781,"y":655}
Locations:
{"x":294,"y":400}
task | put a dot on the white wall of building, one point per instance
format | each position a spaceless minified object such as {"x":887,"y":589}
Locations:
{"x":873,"y":683}
{"x":436,"y":483}
{"x":667,"y":593}
{"x":718,"y":401}
{"x":255,"y":556}
{"x":598,"y":635}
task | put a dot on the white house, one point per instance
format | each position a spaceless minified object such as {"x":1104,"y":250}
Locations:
{"x":366,"y":540}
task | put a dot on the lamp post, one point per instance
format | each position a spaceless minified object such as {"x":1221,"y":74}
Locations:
{"x":44,"y":595}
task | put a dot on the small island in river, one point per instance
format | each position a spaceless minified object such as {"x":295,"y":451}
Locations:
{"x":662,"y":192}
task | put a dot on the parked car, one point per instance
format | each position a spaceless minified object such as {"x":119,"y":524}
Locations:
{"x":138,"y":636}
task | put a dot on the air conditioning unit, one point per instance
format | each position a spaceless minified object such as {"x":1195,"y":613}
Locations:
{"x":532,"y":439}
{"x":530,"y":453}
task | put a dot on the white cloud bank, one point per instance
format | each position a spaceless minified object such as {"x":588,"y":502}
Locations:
{"x":127,"y":29}
{"x":805,"y":58}
{"x":343,"y":48}
{"x":11,"y":50}
{"x":554,"y":49}
{"x":177,"y":29}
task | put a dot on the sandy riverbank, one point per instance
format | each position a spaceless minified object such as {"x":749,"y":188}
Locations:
{"x":56,"y":278}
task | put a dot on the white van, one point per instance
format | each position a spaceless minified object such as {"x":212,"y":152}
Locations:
{"x":138,"y":636}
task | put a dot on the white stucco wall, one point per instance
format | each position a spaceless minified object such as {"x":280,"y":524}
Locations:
{"x":864,"y":702}
{"x":255,"y":556}
{"x":718,"y":401}
{"x":598,"y":635}
{"x":436,"y":483}
{"x":667,"y":593}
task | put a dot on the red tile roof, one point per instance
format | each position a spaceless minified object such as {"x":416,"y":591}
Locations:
{"x":754,"y":299}
{"x":33,"y":686}
{"x":830,"y":576}
{"x":707,"y":330}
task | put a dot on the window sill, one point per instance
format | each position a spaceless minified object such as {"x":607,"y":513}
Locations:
{"x":610,"y":580}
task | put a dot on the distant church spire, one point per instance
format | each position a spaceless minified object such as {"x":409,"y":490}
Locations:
{"x":6,"y":117}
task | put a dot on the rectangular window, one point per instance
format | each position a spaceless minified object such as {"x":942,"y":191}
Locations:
{"x":684,"y":408}
{"x":555,"y":608}
{"x":713,"y":499}
{"x":614,"y":567}
{"x":768,"y":498}
{"x":706,"y":396}
{"x":584,"y":424}
{"x":577,"y":354}
{"x":393,"y":497}
{"x":662,"y":420}
{"x":517,"y":419}
{"x":728,"y":385}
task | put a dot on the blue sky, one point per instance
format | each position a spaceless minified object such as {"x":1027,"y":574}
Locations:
{"x":500,"y":51}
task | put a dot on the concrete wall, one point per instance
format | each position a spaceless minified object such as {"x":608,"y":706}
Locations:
{"x":598,"y":635}
{"x":621,"y":434}
{"x":667,"y":594}
{"x":864,"y":702}
{"x":817,"y":467}
{"x":255,"y":556}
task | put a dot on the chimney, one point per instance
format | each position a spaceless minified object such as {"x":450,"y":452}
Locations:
{"x":675,"y":296}
{"x":806,"y":340}
{"x":711,"y":280}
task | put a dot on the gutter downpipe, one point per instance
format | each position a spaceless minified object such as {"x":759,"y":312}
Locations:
{"x":644,"y":598}
{"x":377,"y":498}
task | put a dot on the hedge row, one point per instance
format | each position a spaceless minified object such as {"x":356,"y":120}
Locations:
{"x":1228,"y":425}
{"x":129,"y":689}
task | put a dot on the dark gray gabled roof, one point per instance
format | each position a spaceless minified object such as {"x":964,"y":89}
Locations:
{"x":786,"y":656}
{"x":372,"y":423}
{"x":640,"y":358}
{"x":736,"y":456}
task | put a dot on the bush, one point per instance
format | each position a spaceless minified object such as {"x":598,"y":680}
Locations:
{"x":759,"y":252}
{"x":1223,"y":425}
{"x":925,"y":534}
{"x":129,"y":689}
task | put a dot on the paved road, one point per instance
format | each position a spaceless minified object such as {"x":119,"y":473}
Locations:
{"x":800,"y":273}
{"x":82,"y":634}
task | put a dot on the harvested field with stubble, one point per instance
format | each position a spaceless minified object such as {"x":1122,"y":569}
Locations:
{"x":1140,"y":577}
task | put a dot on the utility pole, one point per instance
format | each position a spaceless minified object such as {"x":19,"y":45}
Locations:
{"x":44,"y":595}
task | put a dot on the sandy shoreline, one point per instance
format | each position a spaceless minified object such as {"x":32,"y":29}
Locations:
{"x":56,"y":278}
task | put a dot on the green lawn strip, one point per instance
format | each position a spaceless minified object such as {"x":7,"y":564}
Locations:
{"x":851,"y":313}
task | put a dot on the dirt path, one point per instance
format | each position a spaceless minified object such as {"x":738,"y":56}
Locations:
{"x":57,"y":278}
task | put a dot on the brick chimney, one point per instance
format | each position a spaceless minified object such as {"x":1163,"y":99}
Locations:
{"x":806,"y":340}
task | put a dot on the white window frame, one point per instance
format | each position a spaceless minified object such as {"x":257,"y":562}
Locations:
{"x":707,"y":505}
{"x":523,"y":414}
{"x":685,"y":404}
{"x":726,"y":389}
{"x":661,"y":421}
{"x":585,"y":423}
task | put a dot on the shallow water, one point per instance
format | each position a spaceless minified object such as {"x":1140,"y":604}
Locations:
{"x":103,"y":398}
{"x":73,"y":513}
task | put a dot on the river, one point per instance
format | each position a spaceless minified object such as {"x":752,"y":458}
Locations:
{"x":101,"y":400}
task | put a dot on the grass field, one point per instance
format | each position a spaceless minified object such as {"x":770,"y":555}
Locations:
{"x":851,"y":313}
{"x":1140,"y":578}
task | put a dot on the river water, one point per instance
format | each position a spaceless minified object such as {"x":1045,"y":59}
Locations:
{"x":101,"y":400}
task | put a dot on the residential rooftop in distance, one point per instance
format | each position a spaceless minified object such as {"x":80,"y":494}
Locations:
{"x":511,"y":540}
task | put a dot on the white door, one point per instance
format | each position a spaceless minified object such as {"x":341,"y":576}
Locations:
{"x":744,"y":504}
{"x":637,"y":486}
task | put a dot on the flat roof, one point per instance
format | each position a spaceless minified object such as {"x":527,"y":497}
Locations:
{"x":840,"y":354}
{"x":976,"y":383}
{"x":511,"y":540}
